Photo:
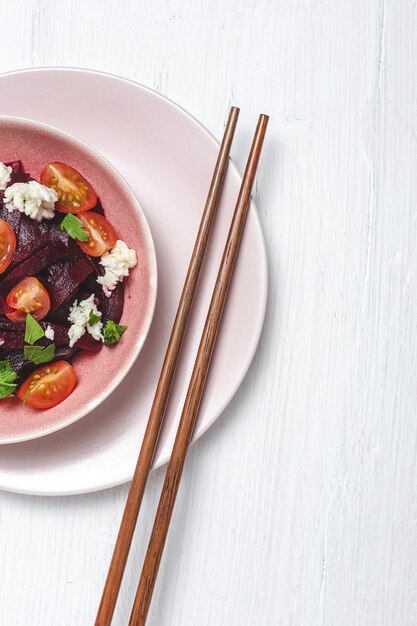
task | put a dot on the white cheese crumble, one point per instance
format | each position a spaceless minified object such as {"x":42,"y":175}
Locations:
{"x":5,"y":175}
{"x":1,"y":342}
{"x":49,"y":333}
{"x":79,"y":316}
{"x":32,"y":198}
{"x":117,"y":263}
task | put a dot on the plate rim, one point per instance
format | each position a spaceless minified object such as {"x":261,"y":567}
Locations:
{"x":262,"y":305}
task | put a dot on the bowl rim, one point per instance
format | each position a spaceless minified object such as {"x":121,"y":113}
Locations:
{"x":153,"y":266}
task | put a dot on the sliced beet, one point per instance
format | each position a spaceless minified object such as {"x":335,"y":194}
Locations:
{"x":64,"y":352}
{"x":98,"y":208}
{"x":64,"y":279}
{"x":20,"y":177}
{"x":17,"y":167}
{"x":14,"y":332}
{"x":90,"y":285}
{"x":87,"y":342}
{"x":10,"y":340}
{"x":60,"y":316}
{"x":18,"y":362}
{"x":53,"y":230}
{"x":11,"y":217}
{"x":112,"y":307}
{"x":12,"y":337}
{"x":6,"y":324}
{"x":46,"y":256}
{"x":3,"y":306}
{"x":30,"y":239}
{"x":99,"y":269}
{"x":18,"y":174}
{"x":60,"y":334}
{"x":23,"y":368}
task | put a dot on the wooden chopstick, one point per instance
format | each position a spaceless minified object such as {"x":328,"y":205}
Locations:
{"x":196,"y":387}
{"x":156,"y":416}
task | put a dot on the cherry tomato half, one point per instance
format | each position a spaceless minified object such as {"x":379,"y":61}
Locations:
{"x":101,"y":232}
{"x":74,"y":191}
{"x":28,"y":296}
{"x":48,"y":385}
{"x":7,"y":245}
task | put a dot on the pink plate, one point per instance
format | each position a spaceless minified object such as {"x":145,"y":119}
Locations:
{"x":99,"y":374}
{"x":167,"y":157}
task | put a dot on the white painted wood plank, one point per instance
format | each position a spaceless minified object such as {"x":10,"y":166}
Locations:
{"x":299,"y":506}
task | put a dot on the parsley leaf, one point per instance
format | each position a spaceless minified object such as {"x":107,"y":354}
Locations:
{"x":39,"y":354}
{"x":93,"y":318}
{"x":33,"y":330}
{"x":113,"y":332}
{"x":25,"y":397}
{"x":7,"y":378}
{"x":74,"y":227}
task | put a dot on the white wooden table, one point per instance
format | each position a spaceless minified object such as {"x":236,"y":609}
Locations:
{"x":299,"y":507}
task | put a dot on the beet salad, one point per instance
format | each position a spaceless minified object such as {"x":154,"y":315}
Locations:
{"x":62,"y":269}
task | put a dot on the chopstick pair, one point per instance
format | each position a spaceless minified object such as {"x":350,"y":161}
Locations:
{"x":195,"y":388}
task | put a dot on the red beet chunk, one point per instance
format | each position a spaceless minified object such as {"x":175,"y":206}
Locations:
{"x":18,"y":362}
{"x":112,"y":308}
{"x":64,"y":279}
{"x":3,"y":306}
{"x":30,"y":239}
{"x":99,"y":269}
{"x":13,"y":336}
{"x":54,"y":232}
{"x":87,"y":342}
{"x":98,"y":208}
{"x":11,"y":340}
{"x":6,"y":324}
{"x":65,"y":353}
{"x":18,"y":175}
{"x":17,"y":167}
{"x":23,"y":368}
{"x":60,"y":332}
{"x":60,"y":316}
{"x":46,"y":256}
{"x":11,"y":217}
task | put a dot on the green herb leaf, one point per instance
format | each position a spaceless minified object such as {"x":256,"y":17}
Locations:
{"x":74,"y":227}
{"x":25,"y":397}
{"x":33,"y":330}
{"x":113,"y":332}
{"x":93,"y":318}
{"x":7,"y":378}
{"x":39,"y":354}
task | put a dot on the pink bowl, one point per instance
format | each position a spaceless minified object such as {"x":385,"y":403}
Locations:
{"x":99,"y":374}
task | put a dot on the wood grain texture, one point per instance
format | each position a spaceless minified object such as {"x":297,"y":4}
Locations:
{"x":163,"y":388}
{"x":323,"y":532}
